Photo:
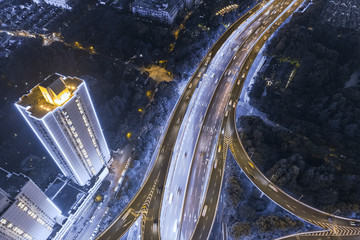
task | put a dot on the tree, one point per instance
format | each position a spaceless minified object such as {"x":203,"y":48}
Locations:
{"x":239,"y":229}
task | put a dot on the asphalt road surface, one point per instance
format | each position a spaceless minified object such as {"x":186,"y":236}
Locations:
{"x":157,"y":175}
{"x":209,"y":208}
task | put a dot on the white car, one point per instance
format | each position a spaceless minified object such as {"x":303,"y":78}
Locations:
{"x":273,"y":188}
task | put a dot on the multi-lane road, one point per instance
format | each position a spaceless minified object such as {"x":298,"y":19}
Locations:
{"x":193,"y":150}
{"x":270,"y":19}
{"x":145,"y":198}
{"x":335,"y":225}
{"x":198,"y":134}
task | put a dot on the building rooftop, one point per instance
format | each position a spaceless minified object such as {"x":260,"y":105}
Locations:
{"x":54,"y":82}
{"x":64,"y":195}
{"x":12,"y":183}
{"x":45,"y":97}
{"x":164,"y":5}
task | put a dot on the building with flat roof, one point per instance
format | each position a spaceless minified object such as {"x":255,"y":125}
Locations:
{"x":27,"y":213}
{"x":60,"y":112}
{"x":57,"y":3}
{"x":161,"y":10}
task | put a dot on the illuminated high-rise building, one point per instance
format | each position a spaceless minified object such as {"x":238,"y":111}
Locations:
{"x":26,"y":212}
{"x":61,"y":113}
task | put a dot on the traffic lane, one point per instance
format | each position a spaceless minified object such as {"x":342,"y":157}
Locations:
{"x":193,"y":124}
{"x":216,"y":116}
{"x":211,"y":199}
{"x":193,"y":196}
{"x":151,"y":222}
{"x":155,"y":215}
{"x":229,"y":57}
{"x":216,"y":110}
{"x":214,"y":49}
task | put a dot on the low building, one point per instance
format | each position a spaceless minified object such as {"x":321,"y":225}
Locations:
{"x":25,"y":211}
{"x":57,"y":3}
{"x":160,"y":10}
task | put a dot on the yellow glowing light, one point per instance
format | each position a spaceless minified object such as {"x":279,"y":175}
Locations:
{"x":61,"y":98}
{"x":140,"y":110}
{"x":148,"y":93}
{"x":128,"y":135}
{"x":98,"y":198}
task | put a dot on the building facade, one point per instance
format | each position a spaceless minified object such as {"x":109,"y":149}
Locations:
{"x":160,"y":10}
{"x":57,"y":3}
{"x":28,"y":213}
{"x":60,"y":112}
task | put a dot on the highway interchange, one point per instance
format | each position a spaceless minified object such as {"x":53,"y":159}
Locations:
{"x":196,"y":140}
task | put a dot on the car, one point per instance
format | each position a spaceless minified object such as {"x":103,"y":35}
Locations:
{"x":252,"y":176}
{"x":215,"y":163}
{"x":355,"y":224}
{"x":160,"y":188}
{"x":204,"y":210}
{"x":273,"y":188}
{"x":251,"y":165}
{"x":92,"y":218}
{"x":170,"y":198}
